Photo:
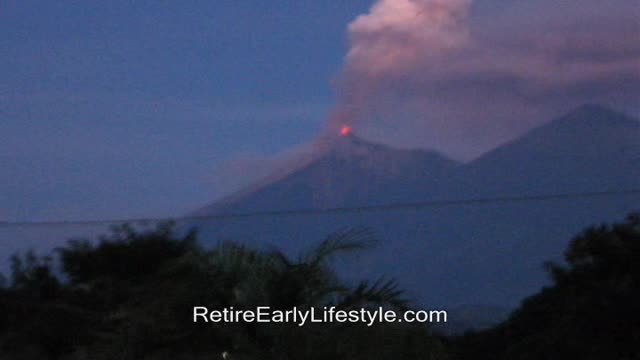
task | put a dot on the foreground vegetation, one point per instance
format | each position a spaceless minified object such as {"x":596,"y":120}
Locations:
{"x":130,"y":296}
{"x":592,"y":310}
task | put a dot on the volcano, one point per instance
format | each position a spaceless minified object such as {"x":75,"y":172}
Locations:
{"x":348,"y":172}
{"x":489,"y":253}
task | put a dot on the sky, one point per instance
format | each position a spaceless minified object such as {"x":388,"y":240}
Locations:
{"x":114,"y":109}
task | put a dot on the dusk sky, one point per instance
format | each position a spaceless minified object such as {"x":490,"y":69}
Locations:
{"x":154,"y":108}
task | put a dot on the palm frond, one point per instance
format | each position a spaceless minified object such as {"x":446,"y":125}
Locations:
{"x":381,"y":292}
{"x":341,"y":241}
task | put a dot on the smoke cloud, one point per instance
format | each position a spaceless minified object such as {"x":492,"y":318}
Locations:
{"x":423,"y":73}
{"x":427,"y":74}
{"x":394,"y":39}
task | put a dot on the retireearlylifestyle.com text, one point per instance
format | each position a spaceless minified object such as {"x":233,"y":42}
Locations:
{"x":308,"y":315}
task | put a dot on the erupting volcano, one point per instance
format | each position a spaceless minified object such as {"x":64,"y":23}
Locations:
{"x":346,"y":130}
{"x":589,"y":149}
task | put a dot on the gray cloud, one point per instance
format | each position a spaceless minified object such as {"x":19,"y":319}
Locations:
{"x":417,"y":73}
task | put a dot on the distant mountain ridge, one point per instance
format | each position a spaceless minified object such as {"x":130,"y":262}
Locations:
{"x":569,"y":138}
{"x":475,"y":254}
{"x":589,"y":149}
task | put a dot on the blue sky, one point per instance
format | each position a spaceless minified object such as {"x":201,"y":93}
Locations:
{"x":136,"y":108}
{"x":128,"y":108}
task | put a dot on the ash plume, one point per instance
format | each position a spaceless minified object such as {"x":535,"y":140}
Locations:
{"x":394,"y":39}
{"x":429,"y":73}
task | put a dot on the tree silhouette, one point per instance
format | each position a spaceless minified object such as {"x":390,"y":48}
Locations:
{"x":131,"y":294}
{"x":591,"y":311}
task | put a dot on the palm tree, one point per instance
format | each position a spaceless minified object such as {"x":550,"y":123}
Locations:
{"x":274,"y":279}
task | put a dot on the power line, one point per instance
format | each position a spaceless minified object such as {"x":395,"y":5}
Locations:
{"x":335,"y":210}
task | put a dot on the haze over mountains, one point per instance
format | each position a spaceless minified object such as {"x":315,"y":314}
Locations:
{"x":489,"y":253}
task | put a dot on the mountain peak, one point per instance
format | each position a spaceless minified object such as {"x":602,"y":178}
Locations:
{"x":588,"y":132}
{"x":353,"y":147}
{"x":348,"y":143}
{"x":345,"y":169}
{"x":595,"y":116}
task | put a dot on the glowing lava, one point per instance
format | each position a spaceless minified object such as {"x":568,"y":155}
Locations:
{"x":345,"y":130}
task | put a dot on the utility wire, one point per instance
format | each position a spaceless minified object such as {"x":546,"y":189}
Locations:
{"x":335,"y":210}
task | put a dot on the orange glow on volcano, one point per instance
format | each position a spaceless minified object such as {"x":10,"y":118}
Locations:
{"x":345,"y":130}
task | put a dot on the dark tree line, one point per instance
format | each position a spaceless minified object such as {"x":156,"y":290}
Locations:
{"x":131,"y":294}
{"x":591,"y":311}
